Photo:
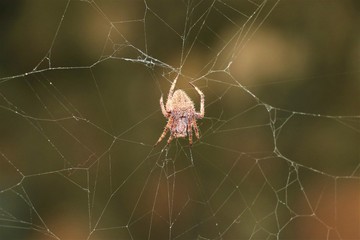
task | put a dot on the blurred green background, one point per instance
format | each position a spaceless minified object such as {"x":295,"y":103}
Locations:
{"x":278,"y":156}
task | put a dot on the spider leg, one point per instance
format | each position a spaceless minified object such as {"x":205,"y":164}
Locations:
{"x":190,"y":132}
{"x":163,"y":109}
{"x":166,"y":129}
{"x":170,"y":139}
{"x":172,"y":88}
{"x":196,"y":129}
{"x":200,"y":114}
{"x":162,"y":135}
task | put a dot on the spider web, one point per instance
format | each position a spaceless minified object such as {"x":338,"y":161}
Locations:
{"x":277,"y":158}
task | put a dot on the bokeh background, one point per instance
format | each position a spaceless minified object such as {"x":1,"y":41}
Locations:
{"x":278,"y":156}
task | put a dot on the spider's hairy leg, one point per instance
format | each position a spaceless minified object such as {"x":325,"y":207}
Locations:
{"x":163,"y":109}
{"x":200,"y":114}
{"x":166,"y":129}
{"x":172,"y":88}
{"x":189,"y":126}
{"x":170,"y":139}
{"x":196,"y":129}
{"x":162,"y":136}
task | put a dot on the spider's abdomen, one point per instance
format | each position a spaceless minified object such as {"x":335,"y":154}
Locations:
{"x":181,"y":101}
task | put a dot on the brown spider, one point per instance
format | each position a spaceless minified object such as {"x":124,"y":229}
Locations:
{"x":180,"y":111}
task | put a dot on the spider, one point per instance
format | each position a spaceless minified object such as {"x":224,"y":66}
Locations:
{"x":181,"y":114}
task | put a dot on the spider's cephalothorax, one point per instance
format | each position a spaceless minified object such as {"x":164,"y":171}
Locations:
{"x":181,"y":114}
